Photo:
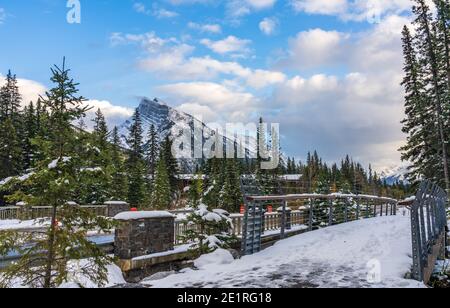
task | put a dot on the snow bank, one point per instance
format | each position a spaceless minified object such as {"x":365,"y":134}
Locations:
{"x":26,"y":224}
{"x":368,"y":253}
{"x":142,"y":215}
{"x":218,"y":257}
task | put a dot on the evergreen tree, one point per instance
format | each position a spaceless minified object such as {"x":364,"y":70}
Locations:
{"x":29,"y":132}
{"x":152,"y":150}
{"x":195,"y":193}
{"x":54,"y":182}
{"x":118,"y":190}
{"x":11,"y":152}
{"x":161,"y":194}
{"x":101,"y":133}
{"x":171,"y":164}
{"x":135,"y":165}
{"x":426,"y":44}
{"x":10,"y":99}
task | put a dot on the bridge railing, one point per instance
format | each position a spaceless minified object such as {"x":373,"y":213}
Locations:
{"x":429,"y":228}
{"x":315,"y":211}
{"x":37,"y":212}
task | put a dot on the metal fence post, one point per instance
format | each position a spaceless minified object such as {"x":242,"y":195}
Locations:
{"x":283,"y":220}
{"x":346,"y":210}
{"x":357,"y":210}
{"x":330,"y":218}
{"x":311,"y":214}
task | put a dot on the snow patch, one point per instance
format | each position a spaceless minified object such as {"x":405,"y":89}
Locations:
{"x":143,"y":215}
{"x":218,"y":257}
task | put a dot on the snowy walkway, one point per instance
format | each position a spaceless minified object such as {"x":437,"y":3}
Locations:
{"x":339,"y":256}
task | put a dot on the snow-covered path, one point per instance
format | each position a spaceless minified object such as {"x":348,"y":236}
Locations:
{"x":339,"y":256}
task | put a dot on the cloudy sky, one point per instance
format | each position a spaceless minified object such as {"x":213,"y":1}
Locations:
{"x":328,"y":71}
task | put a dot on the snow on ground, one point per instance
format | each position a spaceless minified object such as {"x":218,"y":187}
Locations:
{"x":367,"y":253}
{"x":22,"y":224}
{"x":79,"y":280}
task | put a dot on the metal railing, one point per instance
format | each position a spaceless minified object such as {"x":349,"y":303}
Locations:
{"x":429,"y":226}
{"x":272,"y":222}
{"x":318,"y":210}
{"x":37,"y":212}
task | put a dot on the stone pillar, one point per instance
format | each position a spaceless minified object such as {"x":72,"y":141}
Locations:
{"x":143,"y":233}
{"x":115,"y":207}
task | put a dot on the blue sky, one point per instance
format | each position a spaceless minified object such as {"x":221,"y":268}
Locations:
{"x":327,"y":70}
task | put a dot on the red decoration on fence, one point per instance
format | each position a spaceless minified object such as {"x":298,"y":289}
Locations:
{"x":242,"y":209}
{"x":269,"y":209}
{"x":133,"y":209}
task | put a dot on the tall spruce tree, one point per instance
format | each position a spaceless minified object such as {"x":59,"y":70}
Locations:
{"x":118,"y":190}
{"x":161,"y":194}
{"x":426,"y":44}
{"x":135,"y":163}
{"x":54,"y":182}
{"x":152,"y":151}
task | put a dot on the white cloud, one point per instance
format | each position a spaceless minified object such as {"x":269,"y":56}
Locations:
{"x":236,"y":9}
{"x":260,"y":4}
{"x":155,"y":11}
{"x":315,"y":47}
{"x":229,"y":45}
{"x":2,"y":15}
{"x":268,"y":26}
{"x":228,"y":105}
{"x":163,"y":13}
{"x":115,"y":115}
{"x":209,"y":28}
{"x":357,"y":10}
{"x":325,"y":7}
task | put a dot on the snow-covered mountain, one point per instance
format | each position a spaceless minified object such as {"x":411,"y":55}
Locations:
{"x":169,"y":121}
{"x":395,"y":174}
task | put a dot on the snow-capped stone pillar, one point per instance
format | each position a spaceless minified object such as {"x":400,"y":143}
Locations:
{"x":115,"y":207}
{"x":143,"y":233}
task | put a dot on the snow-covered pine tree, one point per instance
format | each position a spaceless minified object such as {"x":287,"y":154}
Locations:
{"x":95,"y":175}
{"x":54,"y":182}
{"x":135,"y":163}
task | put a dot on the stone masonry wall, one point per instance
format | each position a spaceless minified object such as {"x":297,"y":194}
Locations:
{"x":140,"y":237}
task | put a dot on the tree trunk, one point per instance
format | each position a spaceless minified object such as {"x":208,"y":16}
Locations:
{"x":51,"y":251}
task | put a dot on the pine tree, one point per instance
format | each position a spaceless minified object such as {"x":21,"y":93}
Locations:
{"x":135,"y":165}
{"x":161,"y":194}
{"x":195,"y":193}
{"x":10,"y":99}
{"x":430,"y":62}
{"x":152,"y":150}
{"x":54,"y":182}
{"x":10,"y":154}
{"x":30,"y":130}
{"x":118,"y":190}
{"x":101,"y":133}
{"x":171,"y":164}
